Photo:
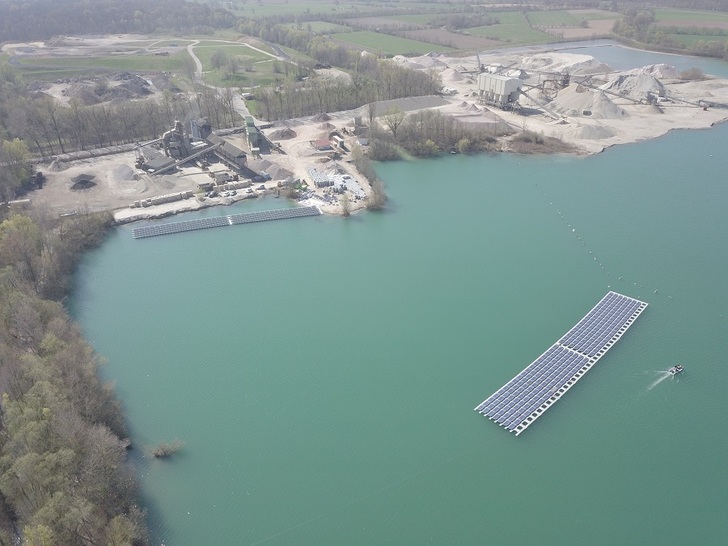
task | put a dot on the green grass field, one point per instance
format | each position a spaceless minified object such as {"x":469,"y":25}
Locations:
{"x":390,"y":45}
{"x":553,"y":18}
{"x":240,"y":52}
{"x":595,"y":15}
{"x":255,"y":68}
{"x":419,"y":19}
{"x":673,"y":16}
{"x":513,"y":29}
{"x":270,"y":10}
{"x":510,"y":18}
{"x":322,"y":27}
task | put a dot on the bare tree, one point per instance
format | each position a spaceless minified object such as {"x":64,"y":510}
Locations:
{"x":219,"y":59}
{"x":393,"y":118}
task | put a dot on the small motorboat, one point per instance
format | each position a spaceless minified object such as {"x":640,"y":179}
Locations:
{"x":676,"y":369}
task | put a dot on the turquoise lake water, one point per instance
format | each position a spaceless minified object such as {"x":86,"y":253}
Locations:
{"x":322,"y":372}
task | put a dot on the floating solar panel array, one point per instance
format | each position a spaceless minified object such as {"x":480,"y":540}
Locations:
{"x":518,"y":403}
{"x":220,"y":221}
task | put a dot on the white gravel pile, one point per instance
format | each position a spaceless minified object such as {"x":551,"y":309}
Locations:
{"x":125,"y":180}
{"x":576,"y":100}
{"x":451,"y":75}
{"x":426,"y":61}
{"x":635,"y":86}
{"x":660,"y":71}
{"x":409,"y":63}
{"x":573,"y":64}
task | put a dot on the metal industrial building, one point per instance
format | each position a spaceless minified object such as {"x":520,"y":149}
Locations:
{"x":500,"y":91}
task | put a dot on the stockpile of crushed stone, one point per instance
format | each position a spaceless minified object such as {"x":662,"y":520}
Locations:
{"x":125,"y":180}
{"x":576,"y":100}
{"x":428,"y":61}
{"x":57,"y":166}
{"x":82,"y":93}
{"x":571,"y":63}
{"x":635,"y":86}
{"x":282,"y":134}
{"x":321,"y":117}
{"x":660,"y":71}
{"x":409,"y":63}
{"x":451,"y":75}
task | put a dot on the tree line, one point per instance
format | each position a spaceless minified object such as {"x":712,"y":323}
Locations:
{"x":42,"y":19}
{"x":639,"y":26}
{"x":64,"y":475}
{"x":385,"y":80}
{"x":50,"y":128}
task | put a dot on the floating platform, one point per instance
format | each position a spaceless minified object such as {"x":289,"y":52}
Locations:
{"x":221,"y":221}
{"x":518,"y":403}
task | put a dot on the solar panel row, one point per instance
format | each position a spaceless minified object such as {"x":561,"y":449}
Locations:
{"x":520,"y":401}
{"x":526,"y":392}
{"x":599,"y":325}
{"x":220,"y":221}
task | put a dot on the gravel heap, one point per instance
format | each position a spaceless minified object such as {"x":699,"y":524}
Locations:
{"x":576,"y":100}
{"x":282,"y":134}
{"x":635,"y":86}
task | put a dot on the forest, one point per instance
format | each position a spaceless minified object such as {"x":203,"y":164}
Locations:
{"x":64,"y":475}
{"x":42,"y":19}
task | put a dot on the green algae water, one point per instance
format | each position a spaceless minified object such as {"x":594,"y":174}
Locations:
{"x":322,"y":372}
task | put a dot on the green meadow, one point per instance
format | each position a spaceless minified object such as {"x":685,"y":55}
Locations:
{"x":391,"y":45}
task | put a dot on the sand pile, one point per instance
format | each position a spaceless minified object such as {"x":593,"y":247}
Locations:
{"x":451,"y":75}
{"x":325,"y":126}
{"x":592,"y":132}
{"x":82,"y":93}
{"x":125,"y":180}
{"x":661,"y":71}
{"x":576,"y":100}
{"x":321,"y":117}
{"x":57,"y":166}
{"x":408,"y":63}
{"x":650,"y":109}
{"x":124,"y":172}
{"x":428,"y":61}
{"x":571,"y":63}
{"x":635,"y":86}
{"x":283,"y":134}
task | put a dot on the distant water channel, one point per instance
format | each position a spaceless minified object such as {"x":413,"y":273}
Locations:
{"x":322,"y":372}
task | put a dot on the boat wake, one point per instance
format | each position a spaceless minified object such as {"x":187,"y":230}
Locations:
{"x":665,"y":375}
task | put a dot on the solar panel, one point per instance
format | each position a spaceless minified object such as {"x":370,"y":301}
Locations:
{"x":518,"y":403}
